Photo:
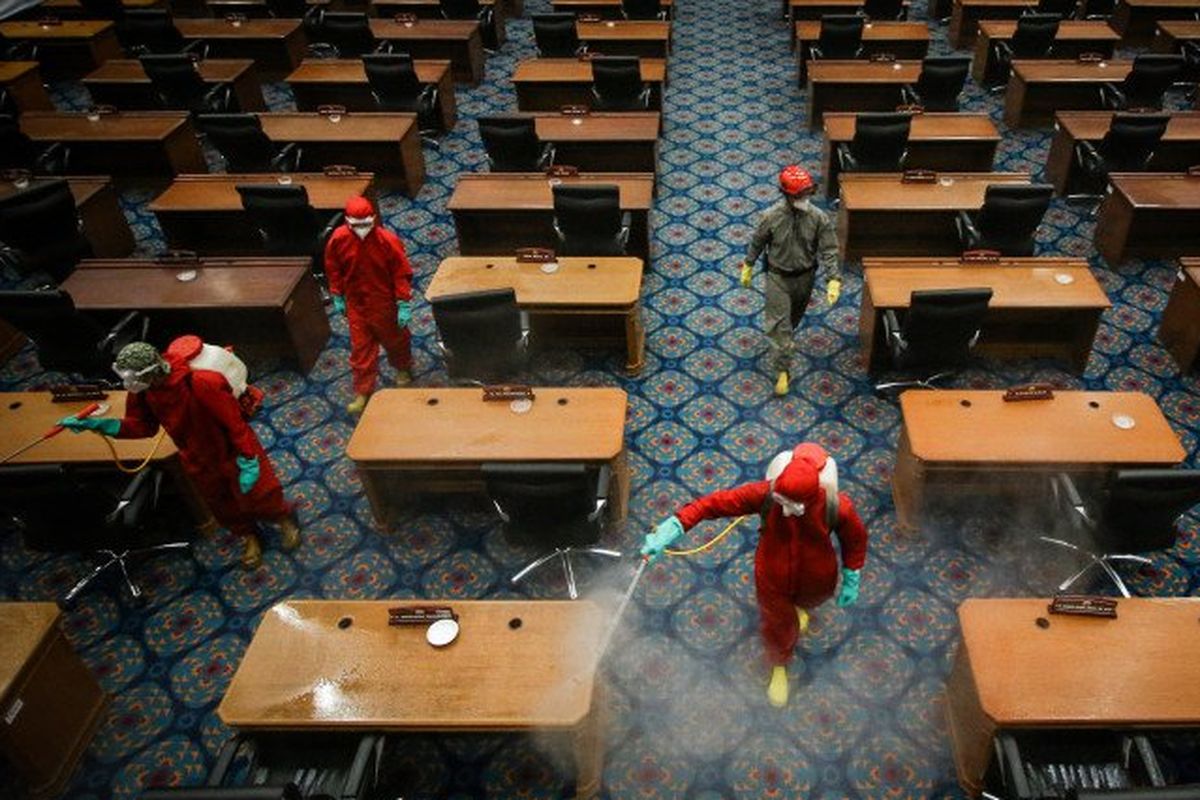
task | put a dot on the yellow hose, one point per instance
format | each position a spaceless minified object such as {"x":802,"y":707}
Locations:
{"x":145,"y":462}
{"x":709,"y":543}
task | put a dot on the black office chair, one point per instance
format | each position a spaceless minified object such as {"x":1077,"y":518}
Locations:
{"x":1128,"y":146}
{"x":66,"y":340}
{"x":40,"y":230}
{"x":152,"y":30}
{"x":287,"y":222}
{"x":840,"y":37}
{"x":1033,"y":38}
{"x":939,"y":84}
{"x":309,"y":15}
{"x":588,"y":220}
{"x":643,"y":9}
{"x":1063,"y":9}
{"x":178,"y":85}
{"x":23,"y":50}
{"x":880,"y":143}
{"x":344,"y":34}
{"x":1146,"y":83}
{"x":1098,"y":9}
{"x":617,"y":84}
{"x":396,"y":87}
{"x":936,"y":336}
{"x":1189,"y":792}
{"x":1008,"y":220}
{"x":512,"y":144}
{"x":558,"y":506}
{"x":243,"y":146}
{"x":884,"y":10}
{"x":483,"y":336}
{"x":556,"y":36}
{"x":1051,"y":765}
{"x":103,"y":9}
{"x":1191,"y":63}
{"x":58,"y":509}
{"x":1135,"y":512}
{"x":18,"y":151}
{"x":473,"y":9}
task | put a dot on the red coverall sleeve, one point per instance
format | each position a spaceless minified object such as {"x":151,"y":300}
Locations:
{"x":139,"y":421}
{"x":851,"y":533}
{"x":213,"y":392}
{"x":401,"y":271}
{"x":745,"y":499}
{"x":334,"y":269}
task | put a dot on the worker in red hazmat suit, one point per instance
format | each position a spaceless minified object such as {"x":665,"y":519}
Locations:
{"x":795,"y":565}
{"x":218,"y":449}
{"x":371,"y":283}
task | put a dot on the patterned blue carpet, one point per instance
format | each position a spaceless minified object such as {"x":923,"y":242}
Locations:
{"x":689,"y":717}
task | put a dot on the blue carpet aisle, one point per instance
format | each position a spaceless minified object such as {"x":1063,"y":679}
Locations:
{"x":688,"y":713}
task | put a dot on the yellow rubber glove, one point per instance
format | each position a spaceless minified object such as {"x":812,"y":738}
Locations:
{"x":746,"y":274}
{"x":833,"y":290}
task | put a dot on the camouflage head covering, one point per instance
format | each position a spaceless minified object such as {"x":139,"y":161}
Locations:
{"x":137,"y":356}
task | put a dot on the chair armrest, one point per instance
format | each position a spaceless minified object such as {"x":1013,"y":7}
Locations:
{"x":814,"y":52}
{"x":602,"y":482}
{"x":1111,"y":96}
{"x":891,"y":332}
{"x":288,"y":157}
{"x":322,"y":50}
{"x":1088,"y":157}
{"x":368,"y":750}
{"x":1064,"y":487}
{"x":846,"y":161}
{"x":1012,"y":769}
{"x":1141,"y":745}
{"x":219,"y":97}
{"x":644,"y":97}
{"x":53,"y":160}
{"x":197,"y":47}
{"x":626,"y":225}
{"x":220,"y":769}
{"x":385,"y":47}
{"x":547,"y":159}
{"x":968,"y":234}
{"x":116,"y":330}
{"x":909,"y":95}
{"x":134,"y":500}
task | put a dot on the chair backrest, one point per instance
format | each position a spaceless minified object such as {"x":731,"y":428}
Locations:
{"x":287,"y":221}
{"x":240,"y":140}
{"x":641,"y":9}
{"x":1151,"y":76}
{"x":547,"y":504}
{"x":1131,"y":140}
{"x":393,"y":80}
{"x":941,"y":81}
{"x":840,"y":35}
{"x":481,"y":331}
{"x":153,"y":30}
{"x":65,"y":339}
{"x":1141,"y":507}
{"x":103,"y":9}
{"x":511,"y":142}
{"x":1034,"y":35}
{"x":556,"y":35}
{"x":617,"y":81}
{"x":1099,"y":8}
{"x":348,"y":31}
{"x":940,"y":326}
{"x":880,"y":140}
{"x":17,"y":151}
{"x":1063,"y":8}
{"x":460,"y":9}
{"x":175,"y":77}
{"x":42,"y":222}
{"x":883,"y":9}
{"x":1010,"y":216}
{"x":1189,"y":792}
{"x":288,"y":9}
{"x":588,"y":219}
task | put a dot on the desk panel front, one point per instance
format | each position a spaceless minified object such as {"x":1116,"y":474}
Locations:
{"x":1145,"y":215}
{"x":104,"y":223}
{"x":343,"y":82}
{"x":1178,"y":149}
{"x":1037,"y":89}
{"x":548,"y":84}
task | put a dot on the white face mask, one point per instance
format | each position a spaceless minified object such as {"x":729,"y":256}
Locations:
{"x":135,"y":385}
{"x":790,"y":508}
{"x":802,"y":204}
{"x":361,"y":231}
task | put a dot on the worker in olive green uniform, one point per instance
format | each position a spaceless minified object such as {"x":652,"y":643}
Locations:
{"x":795,"y":235}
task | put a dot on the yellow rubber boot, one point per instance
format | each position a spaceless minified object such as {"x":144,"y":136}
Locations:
{"x":781,"y":384}
{"x":777,"y":689}
{"x":357,"y":405}
{"x":802,"y":616}
{"x":251,"y":552}
{"x":289,"y":534}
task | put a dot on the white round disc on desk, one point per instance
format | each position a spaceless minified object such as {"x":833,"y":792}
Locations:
{"x":442,"y":632}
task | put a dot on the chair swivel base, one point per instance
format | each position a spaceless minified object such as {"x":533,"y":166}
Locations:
{"x":564,"y":555}
{"x":1101,"y":560}
{"x":119,"y":560}
{"x":923,"y":383}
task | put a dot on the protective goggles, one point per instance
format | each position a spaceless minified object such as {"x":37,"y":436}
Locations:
{"x":139,"y":375}
{"x":360,"y":222}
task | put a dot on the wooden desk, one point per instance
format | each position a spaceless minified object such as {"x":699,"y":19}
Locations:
{"x":23,"y":83}
{"x":456,"y":40}
{"x":1037,"y":89}
{"x":71,"y":9}
{"x":275,"y":45}
{"x":548,"y":84}
{"x":880,"y":215}
{"x":442,"y":444}
{"x":973,"y":444}
{"x":317,"y":82}
{"x":606,"y":9}
{"x":1180,"y":328}
{"x":796,"y":10}
{"x":499,"y":212}
{"x":1031,"y":313}
{"x":1149,"y":216}
{"x":264,"y":307}
{"x":495,"y":677}
{"x":966,"y":14}
{"x":204,"y":212}
{"x":1178,"y":149}
{"x":625,"y":141}
{"x":144,"y":146}
{"x":1169,"y":35}
{"x":856,"y":86}
{"x":1077,"y":672}
{"x":1074,"y":38}
{"x":644,"y":38}
{"x":944,"y":142}
{"x":69,"y":49}
{"x":52,"y":703}
{"x":123,"y":83}
{"x":905,"y":40}
{"x":432,"y":9}
{"x":587,"y":301}
{"x":1135,"y":19}
{"x":104,"y":224}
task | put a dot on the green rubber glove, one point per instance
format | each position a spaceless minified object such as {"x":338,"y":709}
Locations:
{"x":339,"y":304}
{"x":747,"y":274}
{"x":668,"y":531}
{"x":833,"y":290}
{"x":848,"y":596}
{"x":403,"y":313}
{"x":109,"y":426}
{"x":247,"y":473}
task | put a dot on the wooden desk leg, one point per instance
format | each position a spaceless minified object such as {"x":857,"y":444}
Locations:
{"x":248,"y":92}
{"x":1086,"y":334}
{"x":413,"y":161}
{"x":907,"y":486}
{"x":971,"y":730}
{"x":867,"y":323}
{"x":635,"y":340}
{"x":447,"y":102}
{"x":588,"y":744}
{"x":618,"y":490}
{"x":1180,"y":328}
{"x":374,"y":496}
{"x":105,"y":225}
{"x":1113,"y":222}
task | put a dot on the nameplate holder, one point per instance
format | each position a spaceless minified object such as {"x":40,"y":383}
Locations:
{"x":535,"y":255}
{"x":1034,"y":391}
{"x":419,"y":615}
{"x":176,"y":257}
{"x":588,"y":18}
{"x":73,"y":392}
{"x":49,"y":22}
{"x":562,"y":171}
{"x":910,"y":108}
{"x":1193,"y":171}
{"x":507,"y":392}
{"x":236,"y":19}
{"x":882,"y":58}
{"x":340,"y":170}
{"x":574,"y":111}
{"x":1089,"y":58}
{"x":406,"y":19}
{"x":331,"y":110}
{"x":103,"y":110}
{"x":980,"y":257}
{"x":1083,"y":605}
{"x":918,"y":176}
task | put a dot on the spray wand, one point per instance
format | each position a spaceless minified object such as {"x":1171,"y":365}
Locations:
{"x":89,"y":410}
